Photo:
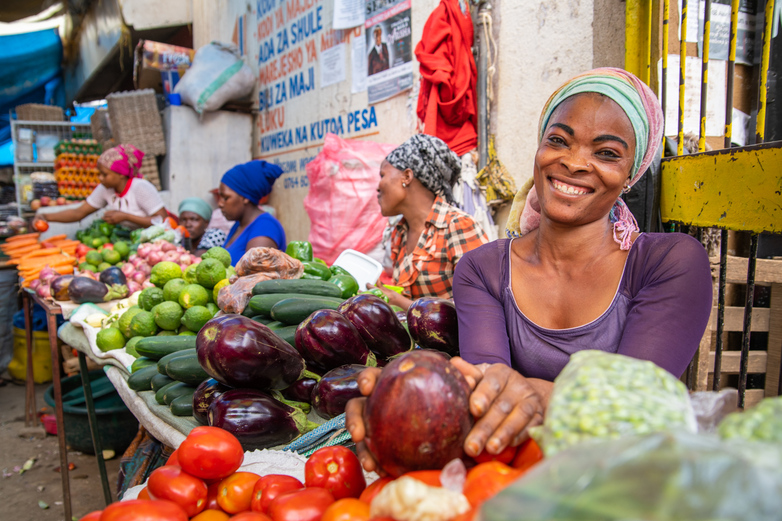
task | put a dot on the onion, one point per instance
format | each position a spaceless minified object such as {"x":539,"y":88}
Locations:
{"x":167,"y":246}
{"x":171,"y":256}
{"x":35,"y":284}
{"x":138,"y":277}
{"x":133,"y":286}
{"x":128,"y":268}
{"x":133,"y":256}
{"x":147,"y":284}
{"x":88,"y":274}
{"x":144,"y":250}
{"x":155,"y":257}
{"x":47,"y":275}
{"x":144,"y":268}
{"x":186,"y":260}
{"x":43,"y":291}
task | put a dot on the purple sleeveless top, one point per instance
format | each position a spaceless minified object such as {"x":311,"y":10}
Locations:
{"x":659,"y":312}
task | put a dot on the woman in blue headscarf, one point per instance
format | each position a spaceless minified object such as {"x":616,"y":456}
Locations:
{"x":241,"y":190}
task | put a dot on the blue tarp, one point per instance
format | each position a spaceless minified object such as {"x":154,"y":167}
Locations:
{"x":30,"y":72}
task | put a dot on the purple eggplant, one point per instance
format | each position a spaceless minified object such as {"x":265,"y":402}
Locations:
{"x":335,"y":389}
{"x":112,"y":275}
{"x":433,"y":325}
{"x":256,"y":419}
{"x":377,"y":324}
{"x":300,"y":390}
{"x":59,"y":287}
{"x":203,"y":397}
{"x":83,"y":289}
{"x":330,"y":340}
{"x":242,"y":353}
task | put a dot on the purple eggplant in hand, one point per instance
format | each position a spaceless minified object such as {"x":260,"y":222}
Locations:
{"x":433,"y":325}
{"x":377,"y":324}
{"x":204,"y":395}
{"x":330,"y":340}
{"x":335,"y":389}
{"x":256,"y":419}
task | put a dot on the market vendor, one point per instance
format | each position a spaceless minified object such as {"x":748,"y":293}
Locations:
{"x":132,"y":201}
{"x":576,"y":273}
{"x":241,"y":190}
{"x":426,"y":244}
{"x":195,"y":215}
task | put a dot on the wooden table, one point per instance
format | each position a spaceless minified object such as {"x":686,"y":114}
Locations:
{"x":52,"y":311}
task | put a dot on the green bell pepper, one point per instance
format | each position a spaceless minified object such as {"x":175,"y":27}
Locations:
{"x":316,"y":270}
{"x":346,"y":283}
{"x":315,"y":259}
{"x":376,"y":292}
{"x":301,"y":250}
{"x":339,"y":270}
{"x":106,"y":229}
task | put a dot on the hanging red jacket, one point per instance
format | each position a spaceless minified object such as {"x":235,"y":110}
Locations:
{"x":447,"y":101}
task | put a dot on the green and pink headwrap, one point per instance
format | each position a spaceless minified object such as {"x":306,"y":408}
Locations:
{"x":122,"y":159}
{"x":643,"y":109}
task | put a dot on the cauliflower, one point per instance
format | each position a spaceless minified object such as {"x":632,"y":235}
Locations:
{"x":407,"y":499}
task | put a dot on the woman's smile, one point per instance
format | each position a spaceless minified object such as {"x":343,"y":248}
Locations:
{"x":569,"y":189}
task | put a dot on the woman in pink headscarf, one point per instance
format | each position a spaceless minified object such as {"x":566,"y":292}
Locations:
{"x":131,"y":200}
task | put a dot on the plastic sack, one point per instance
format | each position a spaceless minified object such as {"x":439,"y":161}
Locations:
{"x":601,"y":395}
{"x":218,"y":75}
{"x":658,"y":477}
{"x":342,"y":199}
{"x":256,"y":264}
{"x":761,"y":423}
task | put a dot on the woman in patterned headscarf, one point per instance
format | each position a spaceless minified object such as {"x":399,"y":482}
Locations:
{"x":415,"y":182}
{"x":576,"y":273}
{"x":131,"y":200}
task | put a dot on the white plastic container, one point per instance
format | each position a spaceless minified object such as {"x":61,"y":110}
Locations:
{"x":364,"y":268}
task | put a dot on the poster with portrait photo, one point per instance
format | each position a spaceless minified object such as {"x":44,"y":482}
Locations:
{"x":388,"y":32}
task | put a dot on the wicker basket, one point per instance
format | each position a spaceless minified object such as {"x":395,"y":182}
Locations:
{"x":135,"y":119}
{"x":38,"y":112}
{"x":149,"y":170}
{"x":101,"y":128}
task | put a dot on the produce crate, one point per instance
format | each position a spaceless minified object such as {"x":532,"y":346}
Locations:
{"x":135,"y":119}
{"x":768,"y":277}
{"x":38,"y":112}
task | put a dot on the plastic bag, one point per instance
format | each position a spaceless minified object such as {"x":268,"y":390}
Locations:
{"x":256,"y":264}
{"x":218,"y":75}
{"x":342,"y":199}
{"x":601,"y":395}
{"x":658,"y":477}
{"x":762,"y":423}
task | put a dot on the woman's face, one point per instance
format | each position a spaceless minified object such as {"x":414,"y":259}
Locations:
{"x":231,"y":203}
{"x":390,"y":192}
{"x":584,"y":159}
{"x":109,"y":178}
{"x":194,"y":224}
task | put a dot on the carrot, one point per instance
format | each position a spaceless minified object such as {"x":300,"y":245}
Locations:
{"x":21,"y":251}
{"x":43,"y":252}
{"x":17,"y":244}
{"x":23,"y":236}
{"x":57,"y":237}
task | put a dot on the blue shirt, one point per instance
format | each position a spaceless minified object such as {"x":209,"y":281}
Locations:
{"x":265,"y":225}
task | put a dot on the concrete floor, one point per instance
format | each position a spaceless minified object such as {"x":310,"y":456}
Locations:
{"x":36,"y":495}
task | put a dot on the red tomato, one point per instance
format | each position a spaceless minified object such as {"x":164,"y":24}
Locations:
{"x":211,"y":497}
{"x":269,"y":487}
{"x":251,"y":516}
{"x":92,"y":516}
{"x":430,"y":477}
{"x":347,"y":509}
{"x":143,"y":510}
{"x":173,"y":459}
{"x":506,"y":456}
{"x":176,"y":485}
{"x":235,"y":492}
{"x":336,"y":469}
{"x":210,"y":453}
{"x":307,"y":504}
{"x":374,"y":488}
{"x":486,"y":479}
{"x":143,"y":494}
{"x":41,"y":225}
{"x":211,"y":515}
{"x":527,"y":456}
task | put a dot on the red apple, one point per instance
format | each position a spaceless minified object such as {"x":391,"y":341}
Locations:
{"x":61,"y":201}
{"x":53,"y":202}
{"x":45,"y":200}
{"x":35,"y":204}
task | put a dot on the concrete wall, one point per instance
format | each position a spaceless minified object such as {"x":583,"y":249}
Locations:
{"x":150,"y":14}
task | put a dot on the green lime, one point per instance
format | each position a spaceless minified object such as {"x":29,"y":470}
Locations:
{"x":111,"y":256}
{"x":209,"y":272}
{"x":213,"y":309}
{"x":130,"y":347}
{"x":110,"y":338}
{"x":143,"y":324}
{"x":164,"y":271}
{"x":218,"y":253}
{"x":103,"y":266}
{"x":124,"y":320}
{"x":86,"y":266}
{"x":150,"y":297}
{"x":167,"y":333}
{"x":94,"y":257}
{"x":123,"y":248}
{"x":193,"y":295}
{"x":190,"y":274}
{"x":195,"y":318}
{"x":167,"y":315}
{"x":172,"y":289}
{"x":218,"y":286}
{"x":187,"y":333}
{"x":96,"y":242}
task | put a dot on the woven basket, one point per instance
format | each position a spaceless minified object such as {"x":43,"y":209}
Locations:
{"x":149,"y":170}
{"x":101,"y":128}
{"x":135,"y":119}
{"x":38,"y":112}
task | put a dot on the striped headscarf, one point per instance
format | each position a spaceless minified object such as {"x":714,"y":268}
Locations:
{"x":643,"y":110}
{"x":122,"y":159}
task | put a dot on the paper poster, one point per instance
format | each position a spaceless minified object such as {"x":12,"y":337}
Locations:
{"x":715,"y":97}
{"x":693,"y":29}
{"x":745,"y":35}
{"x":719,"y":32}
{"x":738,"y":128}
{"x":348,"y":13}
{"x":332,"y":65}
{"x":358,"y":61}
{"x":389,"y":48}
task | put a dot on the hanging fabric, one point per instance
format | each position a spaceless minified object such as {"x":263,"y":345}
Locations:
{"x":495,"y":179}
{"x":470,"y":197}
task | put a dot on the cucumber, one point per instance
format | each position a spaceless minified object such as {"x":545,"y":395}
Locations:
{"x":182,"y":405}
{"x":160,"y":393}
{"x":262,"y":304}
{"x":140,"y":363}
{"x":294,"y":310}
{"x":249,"y":312}
{"x":262,"y":320}
{"x":161,"y":364}
{"x":160,"y":380}
{"x":275,"y":324}
{"x":141,"y":380}
{"x":156,"y":347}
{"x":186,"y":369}
{"x":287,"y":333}
{"x":177,"y":390}
{"x":299,"y":286}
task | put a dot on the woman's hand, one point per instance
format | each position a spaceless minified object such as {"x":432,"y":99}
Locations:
{"x":354,"y":418}
{"x":114,"y":216}
{"x":394,"y":298}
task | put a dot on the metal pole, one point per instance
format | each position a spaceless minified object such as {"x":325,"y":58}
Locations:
{"x":753,"y":255}
{"x":56,"y":369}
{"x":682,"y":62}
{"x":97,"y":444}
{"x":484,"y":9}
{"x":760,"y":129}
{"x":704,"y":75}
{"x":666,"y":35}
{"x":734,"y":24}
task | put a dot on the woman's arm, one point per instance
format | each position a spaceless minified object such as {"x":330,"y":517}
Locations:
{"x":116,"y":217}
{"x":68,"y":216}
{"x":260,"y":242}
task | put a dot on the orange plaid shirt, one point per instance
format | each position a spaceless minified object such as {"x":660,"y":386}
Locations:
{"x":448,"y":234}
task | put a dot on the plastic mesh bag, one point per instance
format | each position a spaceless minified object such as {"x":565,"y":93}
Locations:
{"x":256,"y":265}
{"x":602,"y":395}
{"x":658,"y":477}
{"x":762,"y":423}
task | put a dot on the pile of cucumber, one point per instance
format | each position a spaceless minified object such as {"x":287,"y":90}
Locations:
{"x":169,"y":367}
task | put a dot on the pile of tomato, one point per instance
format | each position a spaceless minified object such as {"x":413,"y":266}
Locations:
{"x":201,"y":482}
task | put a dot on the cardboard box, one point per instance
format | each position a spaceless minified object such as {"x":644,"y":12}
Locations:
{"x":159,"y":66}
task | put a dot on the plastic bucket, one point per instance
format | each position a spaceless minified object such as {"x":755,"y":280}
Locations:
{"x":42,"y":357}
{"x":116,"y":424}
